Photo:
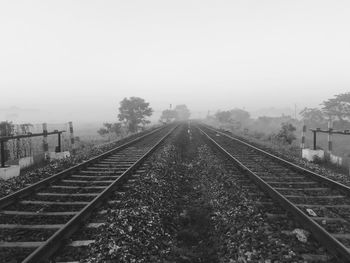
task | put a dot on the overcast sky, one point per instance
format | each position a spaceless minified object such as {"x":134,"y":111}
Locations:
{"x":85,"y":56}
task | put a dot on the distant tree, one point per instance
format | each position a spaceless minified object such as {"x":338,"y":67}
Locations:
{"x":338,"y":107}
{"x":168,"y":116}
{"x":312,"y":115}
{"x":223,"y":116}
{"x":286,"y":134}
{"x":6,"y":128}
{"x":182,"y":112}
{"x":133,"y":113}
{"x":111,"y":128}
{"x":24,"y":146}
{"x":236,"y":116}
{"x":266,"y":120}
{"x":25,"y":127}
{"x":240,"y":115}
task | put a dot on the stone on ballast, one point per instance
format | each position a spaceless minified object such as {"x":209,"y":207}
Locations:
{"x":59,"y":155}
{"x":310,"y":155}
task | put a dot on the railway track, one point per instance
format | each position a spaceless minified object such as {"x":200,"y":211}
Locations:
{"x":37,"y":220}
{"x":321,"y":205}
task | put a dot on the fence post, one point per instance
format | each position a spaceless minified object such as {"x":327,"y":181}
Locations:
{"x":330,"y":129}
{"x":59,"y":145}
{"x":302,"y":145}
{"x":18,"y":142}
{"x":2,"y":152}
{"x":314,"y":139}
{"x":45,"y":144}
{"x":71,"y":136}
{"x":4,"y":147}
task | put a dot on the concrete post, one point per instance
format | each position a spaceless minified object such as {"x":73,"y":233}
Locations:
{"x":59,"y":144}
{"x":18,"y":142}
{"x":2,"y":153}
{"x":302,"y":145}
{"x":45,"y":144}
{"x":71,"y":136}
{"x":315,"y":146}
{"x":3,"y":147}
{"x":330,"y":129}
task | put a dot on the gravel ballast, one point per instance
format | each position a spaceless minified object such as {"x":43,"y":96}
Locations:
{"x":189,"y":207}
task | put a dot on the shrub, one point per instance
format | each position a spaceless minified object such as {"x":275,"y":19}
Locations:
{"x":286,"y":134}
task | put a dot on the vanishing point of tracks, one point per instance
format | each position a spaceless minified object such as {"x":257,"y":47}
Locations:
{"x":321,"y":205}
{"x":37,"y":220}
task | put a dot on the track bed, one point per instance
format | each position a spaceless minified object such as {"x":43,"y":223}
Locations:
{"x":35,"y":221}
{"x":321,"y":205}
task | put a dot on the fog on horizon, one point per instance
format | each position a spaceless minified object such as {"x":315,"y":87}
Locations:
{"x":76,"y":60}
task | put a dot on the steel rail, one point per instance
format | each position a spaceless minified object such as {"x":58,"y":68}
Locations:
{"x":42,"y":253}
{"x":333,"y":245}
{"x":11,"y":198}
{"x":320,"y":178}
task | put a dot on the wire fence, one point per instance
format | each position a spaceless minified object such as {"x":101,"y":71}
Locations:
{"x":35,"y":146}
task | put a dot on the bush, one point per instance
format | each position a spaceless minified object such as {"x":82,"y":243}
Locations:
{"x":259,"y":135}
{"x":286,"y":134}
